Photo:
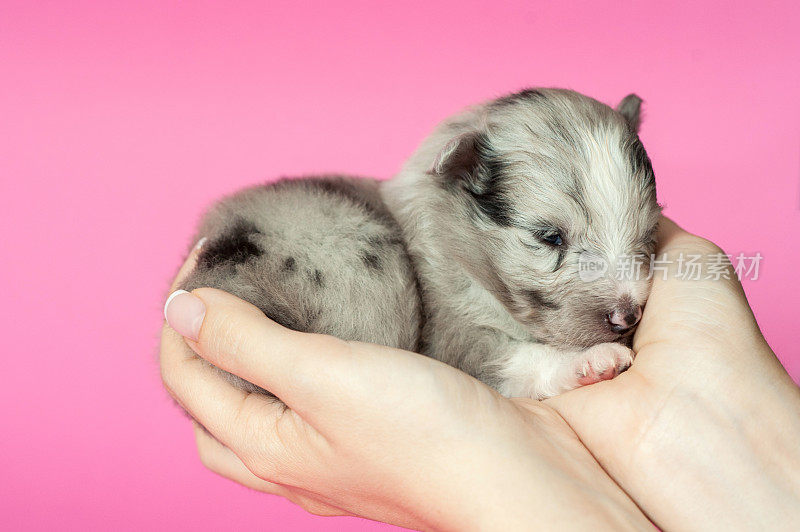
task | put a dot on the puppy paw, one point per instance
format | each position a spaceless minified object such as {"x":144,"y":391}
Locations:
{"x":602,"y":362}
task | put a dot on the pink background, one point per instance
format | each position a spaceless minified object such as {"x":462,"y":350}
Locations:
{"x":121,"y":121}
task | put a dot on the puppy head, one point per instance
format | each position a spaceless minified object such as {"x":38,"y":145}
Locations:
{"x":561,"y":199}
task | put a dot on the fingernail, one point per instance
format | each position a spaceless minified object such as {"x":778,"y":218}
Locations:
{"x":185,"y":312}
{"x":200,"y":243}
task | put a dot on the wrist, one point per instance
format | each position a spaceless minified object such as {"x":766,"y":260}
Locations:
{"x":540,"y":474}
{"x":705,"y":443}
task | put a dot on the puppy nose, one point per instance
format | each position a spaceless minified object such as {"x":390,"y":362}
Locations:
{"x":622,"y":320}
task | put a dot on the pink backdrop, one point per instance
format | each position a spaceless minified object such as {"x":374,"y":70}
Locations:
{"x":121,"y":121}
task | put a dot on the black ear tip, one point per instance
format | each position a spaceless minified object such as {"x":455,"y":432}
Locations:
{"x":633,"y":98}
{"x":630,"y":104}
{"x":630,"y":107}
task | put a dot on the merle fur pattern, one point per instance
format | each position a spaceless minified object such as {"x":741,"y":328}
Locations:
{"x":467,"y":232}
{"x":319,"y":255}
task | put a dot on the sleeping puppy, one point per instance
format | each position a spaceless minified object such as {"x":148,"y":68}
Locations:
{"x":500,"y":207}
{"x":472,"y":254}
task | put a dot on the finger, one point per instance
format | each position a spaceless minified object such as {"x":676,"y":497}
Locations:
{"x":685,"y":304}
{"x":667,"y":230}
{"x":303,"y":370}
{"x":190,"y":381}
{"x":672,"y":237}
{"x":232,"y":415}
{"x":169,"y":339}
{"x":224,"y":462}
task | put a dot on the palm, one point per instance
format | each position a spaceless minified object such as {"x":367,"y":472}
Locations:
{"x":698,"y":341}
{"x":690,"y":332}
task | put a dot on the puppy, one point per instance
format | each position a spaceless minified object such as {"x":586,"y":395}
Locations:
{"x":498,"y":208}
{"x":319,"y":255}
{"x":472,"y":254}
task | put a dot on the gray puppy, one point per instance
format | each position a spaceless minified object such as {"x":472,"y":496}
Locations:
{"x":498,"y":208}
{"x":473,"y":256}
{"x":318,"y":255}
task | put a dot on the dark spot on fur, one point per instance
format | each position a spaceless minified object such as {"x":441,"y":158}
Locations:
{"x":537,"y":299}
{"x":232,"y":247}
{"x":379,"y":242}
{"x":526,"y":95}
{"x":318,"y":278}
{"x":338,"y":188}
{"x":372,"y":261}
{"x":289,"y":265}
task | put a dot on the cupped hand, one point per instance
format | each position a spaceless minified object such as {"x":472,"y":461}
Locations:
{"x":376,"y":432}
{"x":703,"y":430}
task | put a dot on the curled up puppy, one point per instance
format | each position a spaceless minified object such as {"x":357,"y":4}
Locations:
{"x":473,"y":254}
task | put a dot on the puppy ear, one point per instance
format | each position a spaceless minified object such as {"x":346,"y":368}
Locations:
{"x":461,"y":161}
{"x":630,"y":107}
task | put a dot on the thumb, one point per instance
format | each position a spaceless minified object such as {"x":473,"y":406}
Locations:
{"x":237,"y":337}
{"x":687,"y":304}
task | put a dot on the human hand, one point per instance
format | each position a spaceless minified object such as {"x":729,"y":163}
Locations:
{"x":376,"y":432}
{"x":703,"y":430}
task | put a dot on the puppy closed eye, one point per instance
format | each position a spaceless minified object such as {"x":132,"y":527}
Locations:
{"x":552,"y":239}
{"x":549,"y":235}
{"x":546,"y":237}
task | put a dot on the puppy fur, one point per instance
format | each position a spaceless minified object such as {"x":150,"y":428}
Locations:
{"x":483,"y":228}
{"x":478,"y":202}
{"x":319,"y":255}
